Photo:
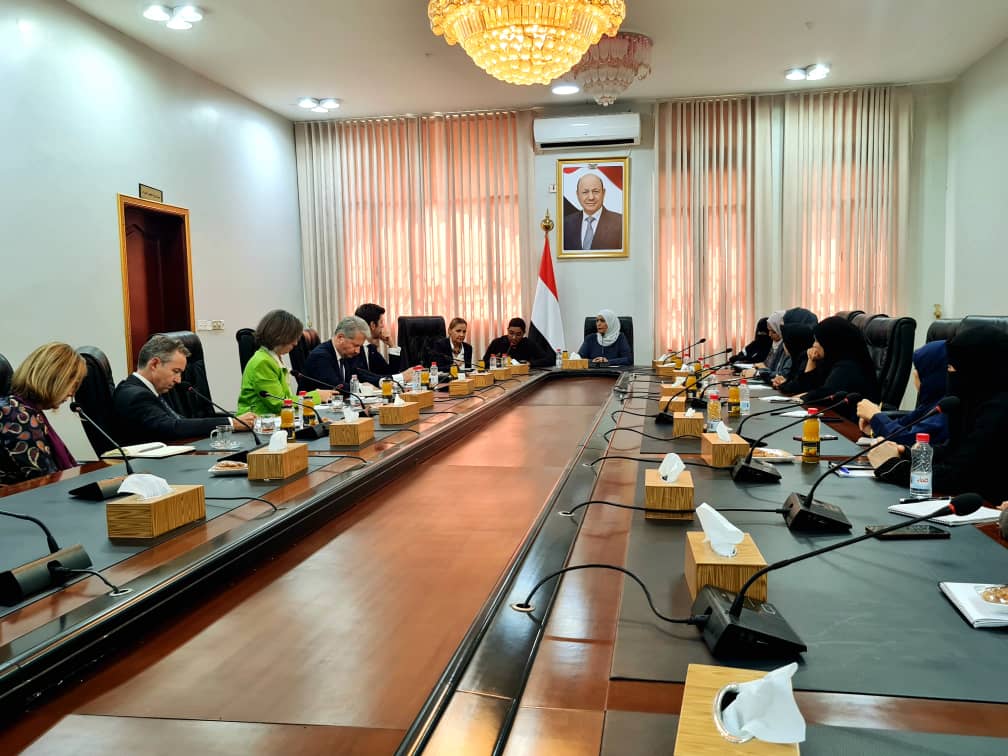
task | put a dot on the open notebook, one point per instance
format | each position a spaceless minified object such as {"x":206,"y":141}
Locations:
{"x":923,"y":507}
{"x":966,"y":597}
{"x":154,"y":450}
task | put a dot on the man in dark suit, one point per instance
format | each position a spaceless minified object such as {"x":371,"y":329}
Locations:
{"x":336,"y":361}
{"x":594,"y":227}
{"x":515,"y":345}
{"x":138,"y":403}
{"x":371,"y":357}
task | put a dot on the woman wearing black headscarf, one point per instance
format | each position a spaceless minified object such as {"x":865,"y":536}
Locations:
{"x":798,"y":339}
{"x":840,"y":356}
{"x":757,"y":349}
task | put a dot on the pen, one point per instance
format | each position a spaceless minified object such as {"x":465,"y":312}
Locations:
{"x":911,"y":499}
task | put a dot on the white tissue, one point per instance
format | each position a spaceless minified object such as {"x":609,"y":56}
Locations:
{"x":721,"y":534}
{"x":690,"y":412}
{"x":575,"y":356}
{"x":145,"y":486}
{"x":349,"y":414}
{"x":671,"y":468}
{"x":679,"y":381}
{"x":278,"y":441}
{"x":399,"y":401}
{"x":766,"y":709}
{"x":514,"y":361}
{"x":722,"y":431}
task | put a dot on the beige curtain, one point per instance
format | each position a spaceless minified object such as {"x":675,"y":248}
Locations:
{"x":421,"y":215}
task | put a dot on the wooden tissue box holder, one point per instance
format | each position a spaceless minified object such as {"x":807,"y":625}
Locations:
{"x":522,"y":368}
{"x":461,"y":387}
{"x":399,"y":414}
{"x":704,"y":566}
{"x":354,"y":433}
{"x":668,"y":370}
{"x":697,"y":734}
{"x":671,"y":389}
{"x":264,"y":464}
{"x":133,"y":517}
{"x":676,"y":498}
{"x":718,"y":453}
{"x":424,"y":398}
{"x":673,"y":404}
{"x":579,"y":364}
{"x":481,"y":380}
{"x":501,"y":374}
{"x":687,"y":426}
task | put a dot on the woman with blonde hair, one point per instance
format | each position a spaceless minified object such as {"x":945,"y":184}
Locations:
{"x":29,"y":445}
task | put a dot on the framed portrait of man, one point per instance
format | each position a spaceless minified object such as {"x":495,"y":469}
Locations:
{"x":593,"y":199}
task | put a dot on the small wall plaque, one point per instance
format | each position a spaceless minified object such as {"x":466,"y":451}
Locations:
{"x":150,"y":193}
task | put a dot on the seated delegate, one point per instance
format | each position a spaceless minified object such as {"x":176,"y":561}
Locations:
{"x":371,"y":357}
{"x":453,"y":349}
{"x":759,"y":348}
{"x":840,"y":357}
{"x":141,"y":412}
{"x":797,"y":339}
{"x":515,"y":345}
{"x":607,"y":346}
{"x":336,"y":361}
{"x":930,"y":378}
{"x":29,"y":446}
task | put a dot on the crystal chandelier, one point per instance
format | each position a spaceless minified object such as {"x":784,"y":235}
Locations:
{"x":612,"y":64}
{"x":525,"y":42}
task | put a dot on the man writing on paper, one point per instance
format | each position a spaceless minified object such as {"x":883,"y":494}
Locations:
{"x":139,"y":406}
{"x":595,"y":227}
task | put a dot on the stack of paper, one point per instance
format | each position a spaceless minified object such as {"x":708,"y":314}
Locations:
{"x":923,"y":507}
{"x":979,"y":613}
{"x":155,"y":450}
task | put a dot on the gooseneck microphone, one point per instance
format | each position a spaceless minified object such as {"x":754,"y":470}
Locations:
{"x":53,"y":569}
{"x":700,"y":402}
{"x":75,"y":407}
{"x":684,"y":349}
{"x":807,"y":514}
{"x":192,"y":390}
{"x":736,"y":630}
{"x":340,"y":388}
{"x":310,"y":432}
{"x":726,"y":350}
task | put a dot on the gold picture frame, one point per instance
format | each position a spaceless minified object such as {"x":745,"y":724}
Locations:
{"x":607,"y":197}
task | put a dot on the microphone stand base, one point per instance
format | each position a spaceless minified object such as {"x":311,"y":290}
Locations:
{"x":815,"y":516}
{"x":21,"y":582}
{"x":312,"y":432}
{"x":754,"y":471}
{"x":664,"y":418}
{"x":698,"y":403}
{"x":758,"y":632}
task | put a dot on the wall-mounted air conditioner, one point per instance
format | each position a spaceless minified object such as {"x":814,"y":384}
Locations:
{"x":616,"y":130}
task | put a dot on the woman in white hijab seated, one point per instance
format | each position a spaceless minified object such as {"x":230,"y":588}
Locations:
{"x":608,"y":346}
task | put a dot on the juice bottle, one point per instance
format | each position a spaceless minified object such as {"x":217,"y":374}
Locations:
{"x":810,"y":437}
{"x":287,"y":418}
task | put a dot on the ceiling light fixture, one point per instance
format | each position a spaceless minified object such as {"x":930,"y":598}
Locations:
{"x":817,"y":71}
{"x":612,"y":64}
{"x":189,"y":13}
{"x":319,"y":104}
{"x":178,"y":24}
{"x":178,"y":17}
{"x":525,"y":41}
{"x":157,"y":13}
{"x":308,"y":102}
{"x":330,"y":103}
{"x":565,"y":88}
{"x":319,"y":109}
{"x":795,"y":74}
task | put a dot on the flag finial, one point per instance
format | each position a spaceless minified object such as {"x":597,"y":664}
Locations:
{"x":546,"y":224}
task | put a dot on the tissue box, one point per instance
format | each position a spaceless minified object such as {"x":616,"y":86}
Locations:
{"x":675,"y":497}
{"x":501,"y":374}
{"x":355,"y":433}
{"x":460,"y":387}
{"x":704,"y":566}
{"x":481,"y":380}
{"x":579,"y":364}
{"x":718,"y":453}
{"x":670,"y":389}
{"x":697,"y":733}
{"x":673,"y":404}
{"x":264,"y":464}
{"x":665,"y":371}
{"x":133,"y":517}
{"x":424,"y":398}
{"x":520,"y":369}
{"x":687,"y":426}
{"x":399,"y":414}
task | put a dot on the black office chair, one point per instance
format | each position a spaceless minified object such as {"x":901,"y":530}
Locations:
{"x":416,"y":334}
{"x":182,"y":400}
{"x":943,"y":328}
{"x":849,"y":314}
{"x":308,"y":341}
{"x":94,"y":395}
{"x":997,"y":321}
{"x":6,"y":373}
{"x":626,"y":328}
{"x":861,"y":320}
{"x":247,"y":345}
{"x":890,"y":343}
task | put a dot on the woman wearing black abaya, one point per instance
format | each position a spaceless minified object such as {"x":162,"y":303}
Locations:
{"x":798,"y":339}
{"x":757,"y":349}
{"x":840,"y":357}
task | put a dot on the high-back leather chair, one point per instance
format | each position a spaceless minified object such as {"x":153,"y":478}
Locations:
{"x":626,"y":328}
{"x":308,"y":341}
{"x":890,"y":343}
{"x":943,"y":328}
{"x":416,"y":334}
{"x":6,"y":373}
{"x":94,"y":395}
{"x":849,"y":314}
{"x":182,"y":400}
{"x":247,"y":345}
{"x":862,"y":319}
{"x":997,"y":321}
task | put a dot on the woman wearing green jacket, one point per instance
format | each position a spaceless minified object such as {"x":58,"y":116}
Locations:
{"x":277,"y":334}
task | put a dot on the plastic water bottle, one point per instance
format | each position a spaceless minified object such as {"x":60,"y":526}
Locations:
{"x":354,"y":386}
{"x":559,"y":359}
{"x":433,"y":376}
{"x":416,"y":377}
{"x":921,"y":455}
{"x":743,"y":393}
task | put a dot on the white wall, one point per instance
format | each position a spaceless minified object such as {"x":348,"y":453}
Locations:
{"x":977,"y":207}
{"x":87,"y":113}
{"x":620,"y":284}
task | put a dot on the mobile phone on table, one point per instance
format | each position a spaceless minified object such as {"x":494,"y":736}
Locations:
{"x":917,"y":530}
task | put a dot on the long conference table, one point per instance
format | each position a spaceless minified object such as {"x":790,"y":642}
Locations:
{"x":371,"y":614}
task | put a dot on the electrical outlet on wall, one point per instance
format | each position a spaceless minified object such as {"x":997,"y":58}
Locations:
{"x":217,"y":325}
{"x":203,"y":325}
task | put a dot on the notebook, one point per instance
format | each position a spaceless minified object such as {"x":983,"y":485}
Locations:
{"x":920,"y":508}
{"x":966,"y":597}
{"x":154,"y":450}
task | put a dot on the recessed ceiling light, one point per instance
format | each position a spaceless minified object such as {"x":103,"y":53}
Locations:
{"x":796,"y":74}
{"x":565,"y":88}
{"x":319,"y":109}
{"x":178,"y":24}
{"x":308,"y":102}
{"x":189,"y":13}
{"x":157,"y":13}
{"x":817,"y":71}
{"x":330,"y":103}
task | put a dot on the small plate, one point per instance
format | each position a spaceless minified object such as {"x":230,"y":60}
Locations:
{"x":768,"y":454}
{"x":1001,"y":596}
{"x":222,"y":471}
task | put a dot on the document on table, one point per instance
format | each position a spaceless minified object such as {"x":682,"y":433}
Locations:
{"x":793,"y":413}
{"x":778,"y":399}
{"x":155,"y":450}
{"x":967,"y":598}
{"x":923,"y":507}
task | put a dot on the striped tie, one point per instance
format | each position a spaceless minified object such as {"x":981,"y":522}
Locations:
{"x":589,"y":233}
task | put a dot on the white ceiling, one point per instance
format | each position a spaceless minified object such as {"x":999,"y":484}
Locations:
{"x":381,"y":58}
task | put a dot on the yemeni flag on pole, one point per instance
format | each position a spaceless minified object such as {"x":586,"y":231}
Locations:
{"x":547,"y":325}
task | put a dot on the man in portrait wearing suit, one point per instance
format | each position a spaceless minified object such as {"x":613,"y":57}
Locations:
{"x":141,"y":412}
{"x":594,"y":227}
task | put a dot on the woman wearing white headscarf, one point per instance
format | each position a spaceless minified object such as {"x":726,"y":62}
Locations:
{"x":774,"y":321}
{"x":607,"y":346}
